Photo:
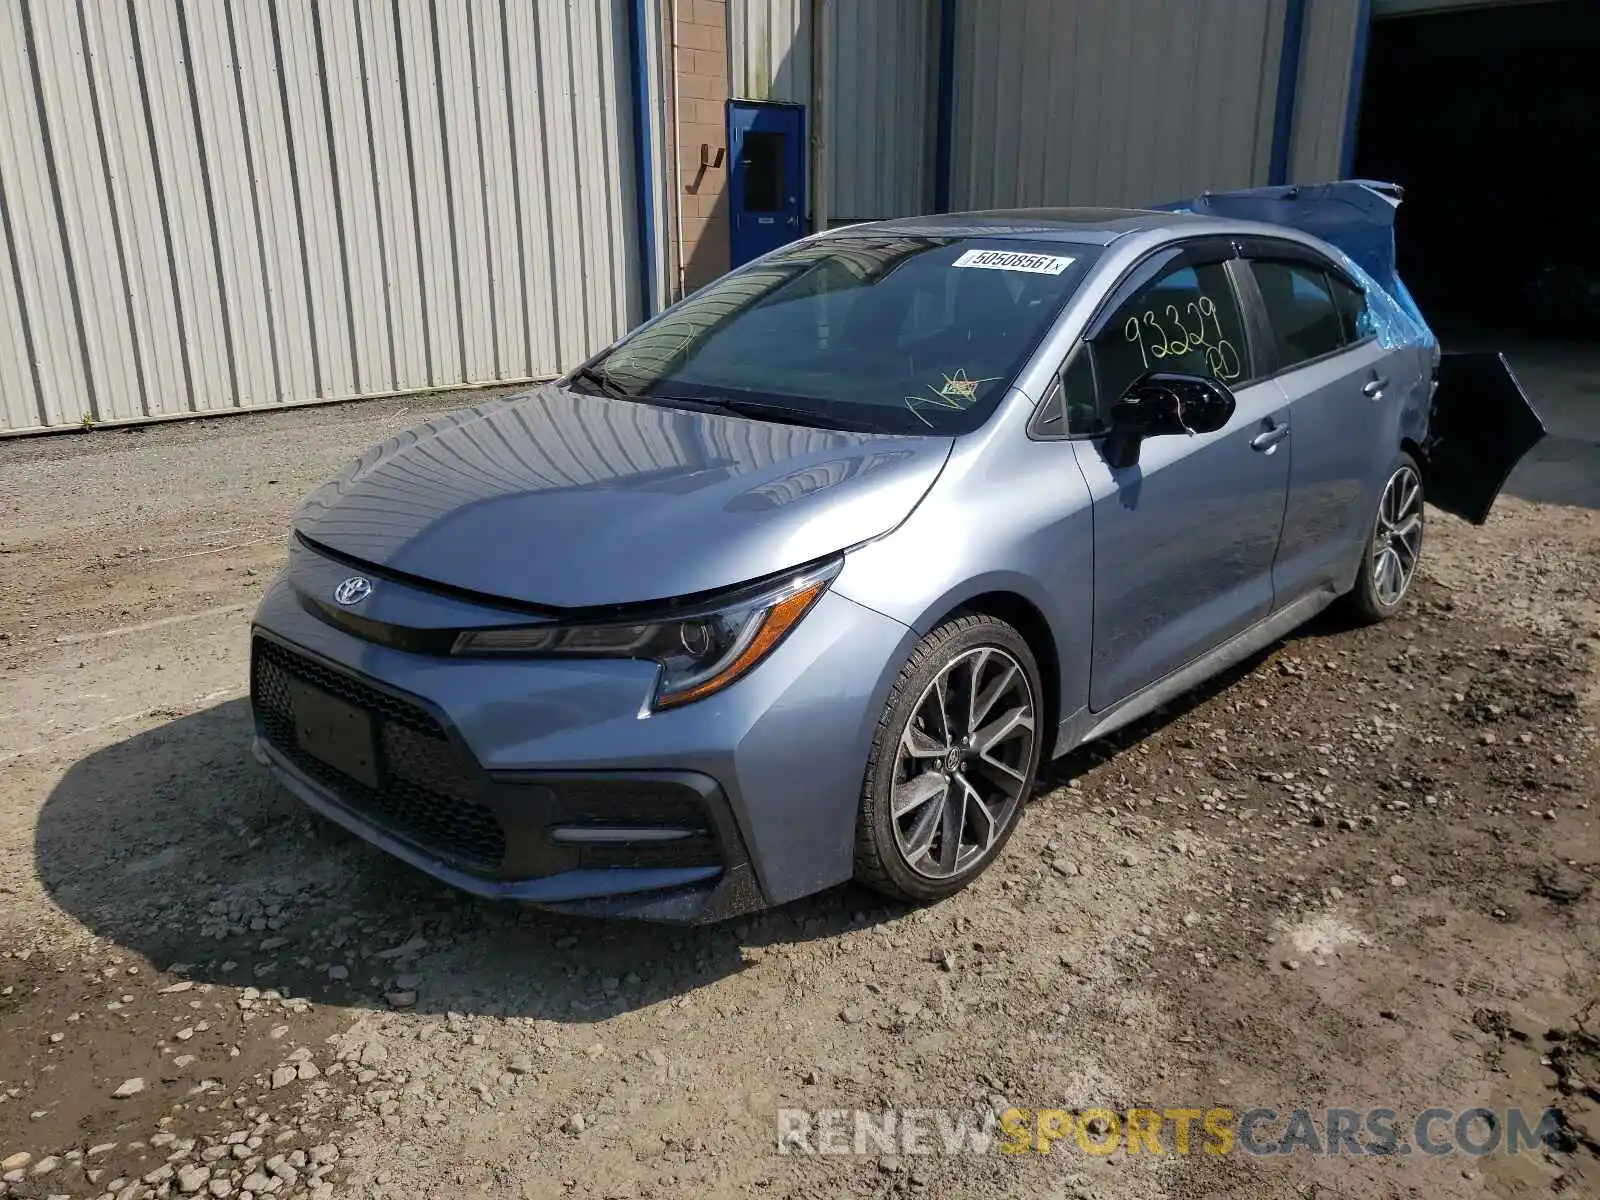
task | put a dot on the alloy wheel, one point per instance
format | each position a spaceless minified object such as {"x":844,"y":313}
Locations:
{"x":963,"y":762}
{"x":1397,"y":538}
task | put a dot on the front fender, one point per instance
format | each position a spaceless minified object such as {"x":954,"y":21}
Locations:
{"x":1017,"y":523}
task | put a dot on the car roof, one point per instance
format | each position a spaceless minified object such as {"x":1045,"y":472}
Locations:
{"x":1097,"y":226}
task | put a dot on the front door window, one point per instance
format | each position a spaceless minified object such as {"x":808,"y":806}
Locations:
{"x":1186,"y":322}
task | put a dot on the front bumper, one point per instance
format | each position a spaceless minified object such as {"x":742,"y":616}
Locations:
{"x":549,"y":783}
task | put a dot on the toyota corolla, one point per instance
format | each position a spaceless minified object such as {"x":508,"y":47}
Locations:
{"x":805,"y":578}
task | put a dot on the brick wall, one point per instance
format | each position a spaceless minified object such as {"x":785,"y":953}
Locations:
{"x":700,"y":90}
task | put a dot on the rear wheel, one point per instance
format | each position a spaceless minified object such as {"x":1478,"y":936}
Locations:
{"x":953,"y":759}
{"x":1394,"y":548}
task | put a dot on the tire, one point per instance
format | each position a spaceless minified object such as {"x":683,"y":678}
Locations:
{"x":1389,"y":559}
{"x":980,"y":788}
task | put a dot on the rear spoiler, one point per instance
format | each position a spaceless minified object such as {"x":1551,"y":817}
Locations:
{"x":1354,"y":215}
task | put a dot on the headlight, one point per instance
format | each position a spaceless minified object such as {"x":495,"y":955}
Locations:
{"x":701,"y":651}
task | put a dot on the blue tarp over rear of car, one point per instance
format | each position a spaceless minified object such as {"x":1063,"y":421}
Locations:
{"x":1481,"y":422}
{"x":1353,"y":215}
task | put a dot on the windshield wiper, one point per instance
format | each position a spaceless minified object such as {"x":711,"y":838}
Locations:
{"x":602,"y":379}
{"x":785,"y":413}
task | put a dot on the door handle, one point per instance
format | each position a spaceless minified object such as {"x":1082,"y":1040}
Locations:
{"x":1373,"y":388}
{"x":1268,"y":440}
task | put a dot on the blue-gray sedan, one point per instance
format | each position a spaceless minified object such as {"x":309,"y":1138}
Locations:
{"x":805,"y":578}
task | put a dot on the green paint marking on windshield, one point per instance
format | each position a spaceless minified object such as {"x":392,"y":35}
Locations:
{"x":954,"y":393}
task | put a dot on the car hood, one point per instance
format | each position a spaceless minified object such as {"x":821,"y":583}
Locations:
{"x":564,"y":499}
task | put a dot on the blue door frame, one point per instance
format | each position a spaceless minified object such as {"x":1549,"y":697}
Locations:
{"x":766,"y":183}
{"x":1358,"y":78}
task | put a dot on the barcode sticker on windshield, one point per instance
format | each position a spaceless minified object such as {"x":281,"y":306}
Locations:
{"x":1012,"y":260}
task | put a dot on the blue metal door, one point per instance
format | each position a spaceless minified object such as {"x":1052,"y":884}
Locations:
{"x":767,"y":188}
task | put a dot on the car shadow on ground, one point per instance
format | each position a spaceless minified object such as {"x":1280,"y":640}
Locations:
{"x":175,"y":845}
{"x":1333,"y":622}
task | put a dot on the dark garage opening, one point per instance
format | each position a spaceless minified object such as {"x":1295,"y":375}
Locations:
{"x":1490,"y":120}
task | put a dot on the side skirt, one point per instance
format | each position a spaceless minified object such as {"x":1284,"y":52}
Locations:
{"x":1085,"y":726}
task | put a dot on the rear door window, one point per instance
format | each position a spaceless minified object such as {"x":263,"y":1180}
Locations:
{"x":1305,"y":321}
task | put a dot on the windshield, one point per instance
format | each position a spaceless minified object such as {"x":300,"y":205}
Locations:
{"x":893,"y":334}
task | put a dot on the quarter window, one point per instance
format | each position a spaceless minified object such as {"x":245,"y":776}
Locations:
{"x":1186,"y":322}
{"x":1078,"y":393}
{"x":1305,"y":321}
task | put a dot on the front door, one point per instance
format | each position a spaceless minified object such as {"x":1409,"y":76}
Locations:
{"x":767,"y":186}
{"x":1183,"y":540}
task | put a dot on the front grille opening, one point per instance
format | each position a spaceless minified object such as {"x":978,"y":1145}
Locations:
{"x":426,"y":791}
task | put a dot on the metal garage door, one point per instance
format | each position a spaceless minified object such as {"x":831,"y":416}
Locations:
{"x":246,"y":203}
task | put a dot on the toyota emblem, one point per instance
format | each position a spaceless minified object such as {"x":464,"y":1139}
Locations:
{"x":353,"y":590}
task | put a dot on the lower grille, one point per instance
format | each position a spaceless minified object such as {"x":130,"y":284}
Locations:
{"x":425,"y":793}
{"x":641,"y":803}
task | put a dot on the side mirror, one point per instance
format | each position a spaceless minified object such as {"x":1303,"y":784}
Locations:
{"x":1161,"y":403}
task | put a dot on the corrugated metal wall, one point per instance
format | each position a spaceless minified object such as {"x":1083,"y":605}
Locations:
{"x":1327,"y":53}
{"x":879,"y":64}
{"x":1056,"y":101}
{"x":1112,"y":101}
{"x":769,"y":47}
{"x":238,"y":203}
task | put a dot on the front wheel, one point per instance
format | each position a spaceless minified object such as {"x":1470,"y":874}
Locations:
{"x":1389,"y":564}
{"x":953,"y":759}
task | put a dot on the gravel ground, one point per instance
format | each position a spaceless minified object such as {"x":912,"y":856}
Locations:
{"x":1358,"y":871}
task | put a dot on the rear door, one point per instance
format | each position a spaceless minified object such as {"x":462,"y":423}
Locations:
{"x":1345,"y":394}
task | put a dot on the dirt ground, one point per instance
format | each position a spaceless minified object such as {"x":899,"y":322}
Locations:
{"x":1358,"y":872}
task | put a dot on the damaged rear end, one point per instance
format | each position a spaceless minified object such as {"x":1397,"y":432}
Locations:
{"x":1481,"y":425}
{"x":1481,"y":421}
